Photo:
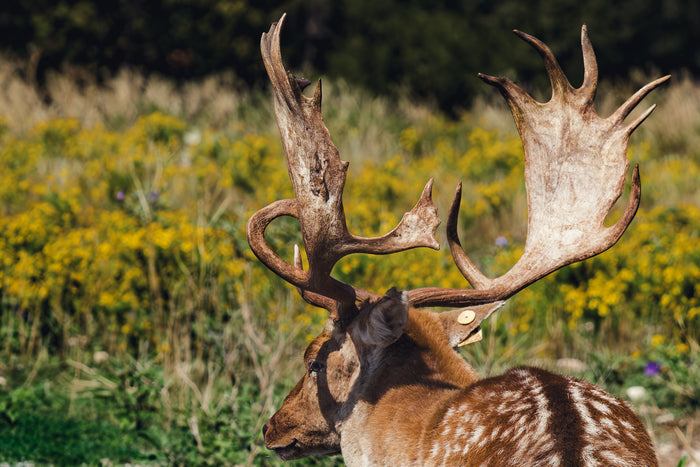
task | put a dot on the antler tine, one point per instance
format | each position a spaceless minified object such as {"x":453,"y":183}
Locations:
{"x":560,"y":84}
{"x":464,"y":264}
{"x":624,"y":110}
{"x":255,"y":231}
{"x":272,"y":58}
{"x":519,"y":101}
{"x":318,"y":176}
{"x":590,"y":66}
{"x":575,"y":169}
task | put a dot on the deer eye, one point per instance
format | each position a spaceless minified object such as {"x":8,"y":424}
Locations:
{"x":315,"y":367}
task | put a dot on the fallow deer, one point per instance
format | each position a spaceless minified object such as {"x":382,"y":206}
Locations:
{"x":383,"y":384}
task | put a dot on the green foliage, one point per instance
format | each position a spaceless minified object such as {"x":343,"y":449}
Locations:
{"x":667,"y":372}
{"x":432,"y":48}
{"x":41,"y":424}
{"x":182,"y":39}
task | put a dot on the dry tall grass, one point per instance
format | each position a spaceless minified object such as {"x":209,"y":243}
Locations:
{"x":213,"y":101}
{"x":117,"y":100}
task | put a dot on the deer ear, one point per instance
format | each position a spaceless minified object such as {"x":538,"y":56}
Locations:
{"x":462,"y":326}
{"x":383,"y":322}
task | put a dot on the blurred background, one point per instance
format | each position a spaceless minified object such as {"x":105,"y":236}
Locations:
{"x":432,"y":48}
{"x":137,"y":137}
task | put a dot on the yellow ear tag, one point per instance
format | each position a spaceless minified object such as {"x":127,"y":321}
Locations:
{"x":466,"y":317}
{"x":476,"y":337}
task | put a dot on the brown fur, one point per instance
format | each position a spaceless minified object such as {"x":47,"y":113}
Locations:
{"x":416,"y":402}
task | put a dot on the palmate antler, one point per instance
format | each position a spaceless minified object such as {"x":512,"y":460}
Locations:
{"x":575,"y":167}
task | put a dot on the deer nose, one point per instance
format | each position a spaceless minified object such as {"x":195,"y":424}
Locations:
{"x":265,"y":428}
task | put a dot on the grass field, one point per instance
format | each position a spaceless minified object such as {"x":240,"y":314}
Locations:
{"x":137,"y":327}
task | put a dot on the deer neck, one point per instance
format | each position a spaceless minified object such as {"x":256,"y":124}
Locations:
{"x":419,"y":372}
{"x":425,"y":340}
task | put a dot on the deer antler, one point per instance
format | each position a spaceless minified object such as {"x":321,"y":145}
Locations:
{"x":318,"y":176}
{"x":575,"y":167}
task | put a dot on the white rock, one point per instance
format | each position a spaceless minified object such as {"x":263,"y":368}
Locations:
{"x":100,"y":356}
{"x":636,"y":393}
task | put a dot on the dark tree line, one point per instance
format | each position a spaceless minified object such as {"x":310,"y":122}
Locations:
{"x":433,"y":48}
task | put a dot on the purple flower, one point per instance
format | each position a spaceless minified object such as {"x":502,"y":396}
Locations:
{"x":153,"y":196}
{"x":652,"y":368}
{"x":120,"y":195}
{"x":501,"y":241}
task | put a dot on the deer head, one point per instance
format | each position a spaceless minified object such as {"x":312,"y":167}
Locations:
{"x":382,"y":380}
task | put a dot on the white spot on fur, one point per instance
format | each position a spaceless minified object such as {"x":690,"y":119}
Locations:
{"x":600,"y":407}
{"x":434,"y":451}
{"x":612,"y":458}
{"x":589,"y":425}
{"x":476,"y":434}
{"x":543,"y":412}
{"x":446,"y":431}
{"x":610,"y":425}
{"x":628,"y":429}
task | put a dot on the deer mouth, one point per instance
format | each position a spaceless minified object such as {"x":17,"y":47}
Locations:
{"x":293,"y":450}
